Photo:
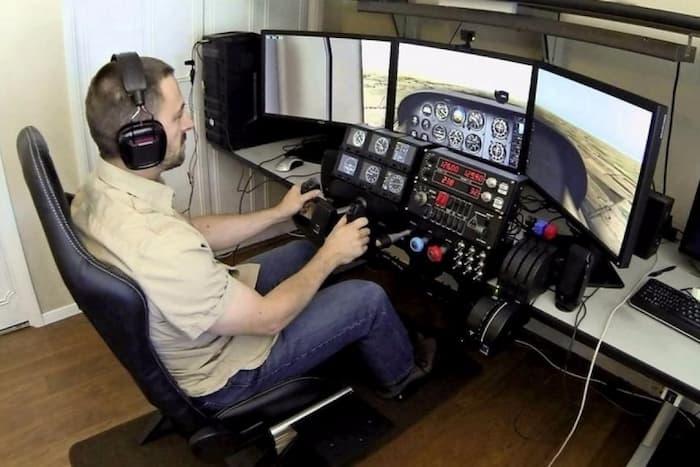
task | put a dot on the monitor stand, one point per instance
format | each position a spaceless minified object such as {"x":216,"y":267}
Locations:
{"x":604,"y":275}
{"x":312,"y":148}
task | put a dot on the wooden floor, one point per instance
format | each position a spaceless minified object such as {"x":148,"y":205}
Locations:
{"x":59,"y":384}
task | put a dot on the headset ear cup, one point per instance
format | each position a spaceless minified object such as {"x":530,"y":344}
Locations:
{"x":142,"y":144}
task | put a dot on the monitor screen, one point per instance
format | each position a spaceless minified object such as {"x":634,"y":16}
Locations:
{"x":588,"y":151}
{"x":471,"y":103}
{"x":318,"y":77}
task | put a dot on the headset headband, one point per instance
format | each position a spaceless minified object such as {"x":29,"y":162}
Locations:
{"x":133,"y":77}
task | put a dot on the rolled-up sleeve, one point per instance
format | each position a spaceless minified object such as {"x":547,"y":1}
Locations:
{"x":180,"y":275}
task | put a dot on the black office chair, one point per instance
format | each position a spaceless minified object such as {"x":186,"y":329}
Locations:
{"x":117,"y":308}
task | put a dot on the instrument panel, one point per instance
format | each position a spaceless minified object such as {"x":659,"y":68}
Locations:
{"x":378,"y":160}
{"x":480,"y":127}
{"x":455,"y":206}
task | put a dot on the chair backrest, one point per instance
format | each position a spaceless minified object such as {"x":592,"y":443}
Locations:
{"x":113,"y":302}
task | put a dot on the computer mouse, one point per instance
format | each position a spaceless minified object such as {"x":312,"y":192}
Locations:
{"x":288,"y":163}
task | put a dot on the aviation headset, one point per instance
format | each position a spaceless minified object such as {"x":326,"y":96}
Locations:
{"x":142,"y":142}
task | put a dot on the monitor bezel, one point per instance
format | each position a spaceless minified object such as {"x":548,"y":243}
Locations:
{"x":646,"y":173}
{"x":328,"y":35}
{"x":520,"y":169}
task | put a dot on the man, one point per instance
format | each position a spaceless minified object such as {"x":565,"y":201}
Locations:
{"x":226,"y":334}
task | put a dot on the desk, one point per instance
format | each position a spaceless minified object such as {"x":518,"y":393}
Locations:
{"x":634,"y":338}
{"x":255,"y":155}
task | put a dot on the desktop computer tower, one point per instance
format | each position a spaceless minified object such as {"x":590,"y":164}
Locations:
{"x":233,"y":101}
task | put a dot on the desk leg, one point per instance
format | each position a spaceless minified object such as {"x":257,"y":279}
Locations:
{"x":653,"y":437}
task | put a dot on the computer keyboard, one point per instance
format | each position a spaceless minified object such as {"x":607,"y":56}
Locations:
{"x":669,"y":305}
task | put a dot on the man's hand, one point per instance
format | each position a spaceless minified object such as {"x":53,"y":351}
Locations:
{"x":293,"y":201}
{"x":346,"y":241}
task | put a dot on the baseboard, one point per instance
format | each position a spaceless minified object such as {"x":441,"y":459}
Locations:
{"x":57,"y":314}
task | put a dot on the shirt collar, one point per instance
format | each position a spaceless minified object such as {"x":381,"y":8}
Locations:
{"x":156,"y":193}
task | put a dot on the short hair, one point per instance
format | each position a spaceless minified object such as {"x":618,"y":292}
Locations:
{"x":108,"y":107}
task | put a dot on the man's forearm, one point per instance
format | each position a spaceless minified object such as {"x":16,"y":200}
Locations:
{"x":226,"y":231}
{"x":292,"y":295}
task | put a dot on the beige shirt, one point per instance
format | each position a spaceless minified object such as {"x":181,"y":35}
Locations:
{"x":129,"y":222}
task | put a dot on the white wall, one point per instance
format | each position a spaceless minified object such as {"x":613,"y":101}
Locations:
{"x":247,"y":15}
{"x":35,"y":92}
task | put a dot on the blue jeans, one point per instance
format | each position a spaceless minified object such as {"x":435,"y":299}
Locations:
{"x":351,"y":312}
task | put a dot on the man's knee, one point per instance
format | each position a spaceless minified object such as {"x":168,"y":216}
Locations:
{"x":372,"y":296}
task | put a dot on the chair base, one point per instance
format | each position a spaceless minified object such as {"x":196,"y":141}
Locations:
{"x":157,"y":427}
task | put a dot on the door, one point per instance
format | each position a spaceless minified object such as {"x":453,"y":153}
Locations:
{"x":18,"y":303}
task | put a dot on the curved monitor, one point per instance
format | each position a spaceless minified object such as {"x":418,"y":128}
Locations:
{"x":593,"y":150}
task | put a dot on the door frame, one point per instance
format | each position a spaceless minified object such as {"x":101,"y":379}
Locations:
{"x":11,"y":246}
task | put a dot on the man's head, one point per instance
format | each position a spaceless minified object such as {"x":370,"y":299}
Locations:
{"x":108,"y":108}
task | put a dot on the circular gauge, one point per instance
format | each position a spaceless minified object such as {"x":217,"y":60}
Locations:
{"x":427,"y":109}
{"x":499,"y":128}
{"x":358,"y":138}
{"x":425,"y":124}
{"x":475,"y":120}
{"x":381,"y":145}
{"x":441,"y":111}
{"x":414,"y":133}
{"x":372,"y":174}
{"x":415,"y":120}
{"x":424,"y":136}
{"x":458,"y":116}
{"x":472,"y":143}
{"x":456,"y":138}
{"x":439,"y":133}
{"x":497,"y":152}
{"x":393,"y":183}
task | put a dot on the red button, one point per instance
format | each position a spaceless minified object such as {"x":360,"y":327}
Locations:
{"x":435,"y":253}
{"x":550,"y":232}
{"x":442,"y":199}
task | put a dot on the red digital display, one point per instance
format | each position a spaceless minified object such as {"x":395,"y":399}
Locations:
{"x":447,"y":181}
{"x":475,"y":176}
{"x":457,"y":185}
{"x":470,"y":174}
{"x":474,"y":192}
{"x":450,"y":166}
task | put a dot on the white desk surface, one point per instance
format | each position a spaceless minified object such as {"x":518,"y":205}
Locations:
{"x":257,"y":154}
{"x":634,"y":333}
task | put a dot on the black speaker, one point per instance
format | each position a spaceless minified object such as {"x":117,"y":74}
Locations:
{"x":574,"y":277}
{"x":233,"y":100}
{"x":656,"y":215}
{"x":690,"y":243}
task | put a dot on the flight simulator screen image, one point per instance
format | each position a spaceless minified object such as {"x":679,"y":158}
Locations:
{"x":586,"y":152}
{"x":345,"y":80}
{"x":450,"y":98}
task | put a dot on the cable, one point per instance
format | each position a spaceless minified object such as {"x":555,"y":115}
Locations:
{"x":670,"y":121}
{"x":190,"y":102}
{"x":604,"y":383}
{"x":592,"y":365}
{"x":545,"y":52}
{"x":459,"y":26}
